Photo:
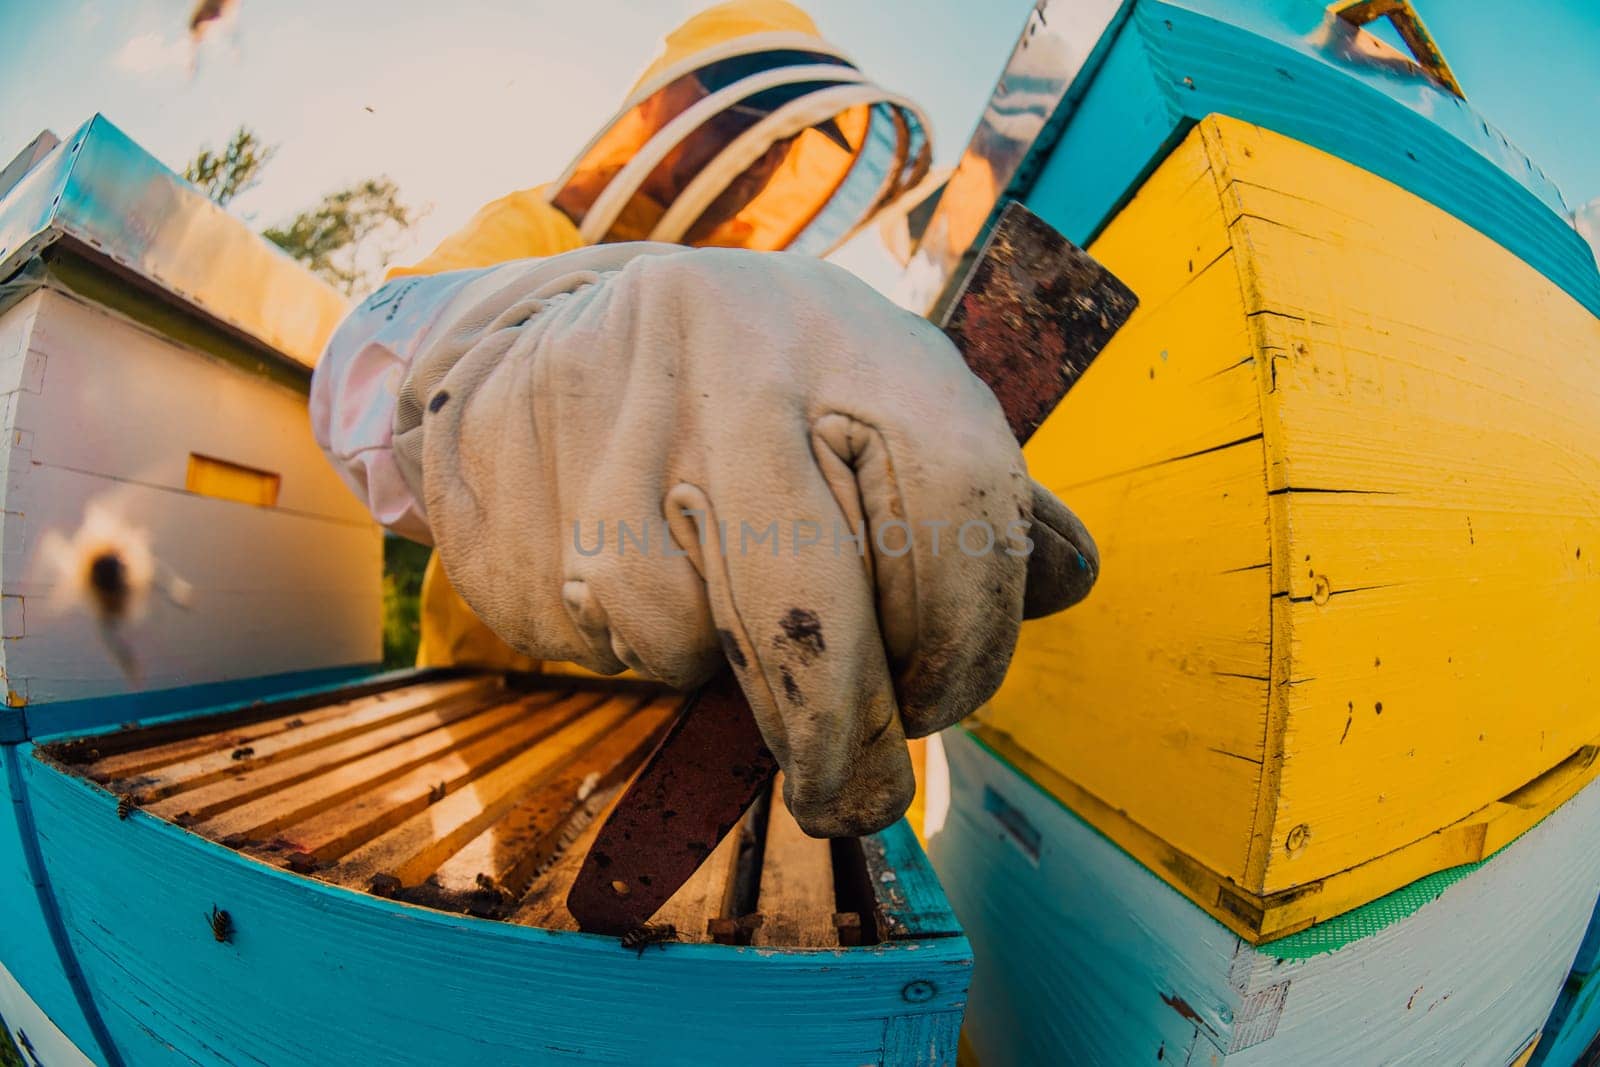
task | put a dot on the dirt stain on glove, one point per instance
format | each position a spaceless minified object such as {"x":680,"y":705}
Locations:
{"x":802,"y":631}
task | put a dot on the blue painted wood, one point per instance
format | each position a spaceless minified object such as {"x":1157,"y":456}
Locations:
{"x":317,"y":974}
{"x":33,"y":946}
{"x":43,"y":722}
{"x":911,"y":903}
{"x":1574,"y":1024}
{"x":1272,"y":64}
{"x":1588,"y":959}
{"x":1081,"y":955}
{"x":1085,"y":957}
{"x":922,"y":1040}
{"x":1120,"y":131}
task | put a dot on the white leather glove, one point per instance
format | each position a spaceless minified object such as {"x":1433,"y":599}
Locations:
{"x":728,"y":407}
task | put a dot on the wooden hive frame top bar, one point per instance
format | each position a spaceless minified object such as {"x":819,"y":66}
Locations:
{"x":478,"y":794}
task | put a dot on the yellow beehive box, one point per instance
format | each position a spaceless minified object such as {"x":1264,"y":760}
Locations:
{"x":1344,"y":470}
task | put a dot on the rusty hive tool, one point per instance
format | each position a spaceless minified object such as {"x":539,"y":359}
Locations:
{"x":1033,"y":314}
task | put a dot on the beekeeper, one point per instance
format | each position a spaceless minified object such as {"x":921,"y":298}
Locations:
{"x":633,"y":454}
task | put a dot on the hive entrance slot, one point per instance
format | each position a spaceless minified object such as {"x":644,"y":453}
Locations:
{"x":478,"y":794}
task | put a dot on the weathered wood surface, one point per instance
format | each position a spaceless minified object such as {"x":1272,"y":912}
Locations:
{"x":367,"y":979}
{"x":469,"y":795}
{"x":1113,"y":966}
{"x":1341,"y":467}
{"x":797,"y":901}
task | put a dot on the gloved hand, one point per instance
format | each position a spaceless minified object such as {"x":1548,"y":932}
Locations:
{"x":649,"y":457}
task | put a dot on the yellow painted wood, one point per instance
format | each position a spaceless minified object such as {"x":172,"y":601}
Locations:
{"x":232,"y":481}
{"x":1404,"y":448}
{"x":1262,"y":917}
{"x":1157,"y":683}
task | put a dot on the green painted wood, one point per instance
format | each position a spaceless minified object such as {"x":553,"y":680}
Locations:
{"x":317,"y":974}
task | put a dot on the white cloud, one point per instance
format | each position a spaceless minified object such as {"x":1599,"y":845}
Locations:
{"x":150,"y":53}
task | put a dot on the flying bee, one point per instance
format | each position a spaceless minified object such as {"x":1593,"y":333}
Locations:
{"x":221,"y":925}
{"x":643,"y":936}
{"x":107,"y":568}
{"x":125,"y":805}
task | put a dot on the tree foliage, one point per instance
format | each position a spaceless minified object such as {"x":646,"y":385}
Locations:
{"x":236,"y":169}
{"x":349,"y":237}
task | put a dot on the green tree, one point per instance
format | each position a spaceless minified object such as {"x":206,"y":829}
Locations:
{"x":237,"y":168}
{"x":350,"y":236}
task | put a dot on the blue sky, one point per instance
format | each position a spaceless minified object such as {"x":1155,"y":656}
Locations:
{"x":471,"y":99}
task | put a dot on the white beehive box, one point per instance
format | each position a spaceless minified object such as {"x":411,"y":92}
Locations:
{"x":154,"y":361}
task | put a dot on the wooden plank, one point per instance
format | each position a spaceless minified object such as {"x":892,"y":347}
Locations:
{"x":1436,"y":452}
{"x":415,"y":849}
{"x":546,"y":903}
{"x":334,"y":831}
{"x":1183,"y":550}
{"x":188,"y":761}
{"x":417,"y":766}
{"x":1074,"y":931}
{"x":366,"y":980}
{"x":910,"y":904}
{"x":1158,"y":449}
{"x":508,"y":854}
{"x":797,"y":901}
{"x":705,"y":896}
{"x":248,"y":783}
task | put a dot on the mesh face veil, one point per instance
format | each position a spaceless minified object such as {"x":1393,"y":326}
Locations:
{"x":767,"y":141}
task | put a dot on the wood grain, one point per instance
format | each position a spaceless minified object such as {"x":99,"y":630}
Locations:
{"x":796,"y":903}
{"x":1342,"y":467}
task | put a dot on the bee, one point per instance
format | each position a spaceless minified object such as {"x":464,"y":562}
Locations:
{"x":243,"y":753}
{"x":436,"y":793}
{"x":125,"y":805}
{"x":642,"y":937}
{"x":106,"y":568}
{"x":490,"y":887}
{"x":221,"y":924}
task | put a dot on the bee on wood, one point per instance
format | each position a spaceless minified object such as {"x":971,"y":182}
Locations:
{"x":490,"y":887}
{"x":436,"y":793}
{"x":221,"y":924}
{"x":243,"y":753}
{"x":642,"y":937}
{"x":125,"y":805}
